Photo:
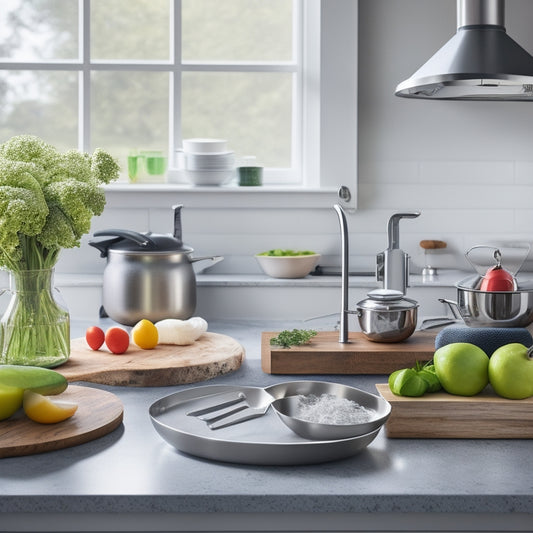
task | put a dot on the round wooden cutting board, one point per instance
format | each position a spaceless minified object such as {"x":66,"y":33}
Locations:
{"x":99,"y":412}
{"x":213,"y":354}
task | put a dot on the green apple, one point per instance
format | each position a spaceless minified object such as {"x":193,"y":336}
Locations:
{"x":10,"y":401}
{"x":41,"y":380}
{"x":511,"y":371}
{"x":462,"y":368}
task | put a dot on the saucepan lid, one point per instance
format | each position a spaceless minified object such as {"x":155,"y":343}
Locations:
{"x":128,"y":241}
{"x":387,"y":300}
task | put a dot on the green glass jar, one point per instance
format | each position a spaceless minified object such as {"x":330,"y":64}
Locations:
{"x":249,"y":172}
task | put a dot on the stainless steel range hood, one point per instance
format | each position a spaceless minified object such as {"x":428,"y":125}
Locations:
{"x":480,"y":62}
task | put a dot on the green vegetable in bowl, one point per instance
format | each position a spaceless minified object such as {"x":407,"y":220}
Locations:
{"x":296,"y":337}
{"x":286,"y":253}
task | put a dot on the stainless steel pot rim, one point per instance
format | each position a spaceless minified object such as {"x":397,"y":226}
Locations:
{"x":472,"y":283}
{"x":165,"y":253}
{"x":477,"y":291}
{"x":403,"y":304}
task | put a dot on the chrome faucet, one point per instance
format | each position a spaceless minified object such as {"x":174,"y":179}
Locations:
{"x":393,"y":264}
{"x":345,"y":265}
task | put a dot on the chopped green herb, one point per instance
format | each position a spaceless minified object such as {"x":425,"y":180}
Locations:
{"x":296,"y":337}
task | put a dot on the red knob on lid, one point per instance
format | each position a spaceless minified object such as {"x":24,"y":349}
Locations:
{"x":497,"y":279}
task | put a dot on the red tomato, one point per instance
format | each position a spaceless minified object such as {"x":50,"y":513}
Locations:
{"x":117,"y":340}
{"x":95,"y":337}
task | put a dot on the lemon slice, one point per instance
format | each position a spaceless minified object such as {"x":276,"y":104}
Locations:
{"x":42,"y":409}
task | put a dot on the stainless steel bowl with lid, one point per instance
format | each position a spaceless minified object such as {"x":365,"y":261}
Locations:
{"x":387,"y":316}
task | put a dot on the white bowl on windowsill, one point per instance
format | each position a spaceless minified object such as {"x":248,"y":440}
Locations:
{"x":209,"y":177}
{"x":287,"y":266}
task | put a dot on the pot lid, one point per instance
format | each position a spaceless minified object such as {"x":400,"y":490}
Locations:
{"x":127,"y":241}
{"x":480,"y":62}
{"x":387,"y":300}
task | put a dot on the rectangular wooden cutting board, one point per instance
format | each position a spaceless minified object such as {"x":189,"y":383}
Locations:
{"x":445,"y":416}
{"x":324,"y":354}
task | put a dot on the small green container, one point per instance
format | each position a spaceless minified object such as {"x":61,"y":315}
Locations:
{"x":250,"y":176}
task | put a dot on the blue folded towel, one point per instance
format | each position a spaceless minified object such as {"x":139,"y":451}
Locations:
{"x":488,"y":339}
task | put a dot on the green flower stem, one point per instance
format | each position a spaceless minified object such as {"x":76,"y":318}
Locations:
{"x":35,"y":329}
{"x":35,"y":256}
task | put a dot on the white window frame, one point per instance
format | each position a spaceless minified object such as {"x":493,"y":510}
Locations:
{"x":325,"y":67}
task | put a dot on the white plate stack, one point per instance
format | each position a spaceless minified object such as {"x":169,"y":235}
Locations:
{"x":207,"y":161}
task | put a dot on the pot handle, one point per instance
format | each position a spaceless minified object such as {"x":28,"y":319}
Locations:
{"x":138,"y":238}
{"x":454,"y":308}
{"x":215,"y":258}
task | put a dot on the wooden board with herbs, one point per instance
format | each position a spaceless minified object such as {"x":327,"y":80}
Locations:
{"x":324,"y":354}
{"x":213,"y":354}
{"x":99,"y":412}
{"x":440,"y":415}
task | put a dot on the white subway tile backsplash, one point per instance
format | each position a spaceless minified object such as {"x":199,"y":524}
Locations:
{"x":467,"y":172}
{"x":449,"y":196}
{"x":389,"y":172}
{"x":462,"y":218}
{"x":134,"y":219}
{"x":524,"y":221}
{"x":524,"y":173}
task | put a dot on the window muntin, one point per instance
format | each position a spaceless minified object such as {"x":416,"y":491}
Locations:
{"x":249,"y":92}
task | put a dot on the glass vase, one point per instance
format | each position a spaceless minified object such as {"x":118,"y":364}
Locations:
{"x":35,"y":329}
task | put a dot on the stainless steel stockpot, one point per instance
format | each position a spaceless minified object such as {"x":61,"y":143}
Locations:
{"x":504,"y":309}
{"x":386,"y":316}
{"x":147,"y":275}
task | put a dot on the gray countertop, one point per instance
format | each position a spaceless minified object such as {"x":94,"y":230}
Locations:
{"x":133,"y":470}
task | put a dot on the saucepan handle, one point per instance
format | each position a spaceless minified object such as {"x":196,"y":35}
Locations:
{"x":215,"y":258}
{"x":454,"y":308}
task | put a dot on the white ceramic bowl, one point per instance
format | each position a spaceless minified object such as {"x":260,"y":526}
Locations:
{"x":209,"y":177}
{"x":205,"y":146}
{"x":209,"y":161}
{"x":287,"y":266}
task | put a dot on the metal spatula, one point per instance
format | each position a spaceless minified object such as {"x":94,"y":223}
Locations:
{"x":233,"y":408}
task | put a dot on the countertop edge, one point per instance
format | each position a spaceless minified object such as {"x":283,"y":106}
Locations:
{"x":298,"y":503}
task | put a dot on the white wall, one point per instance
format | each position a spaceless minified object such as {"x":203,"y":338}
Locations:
{"x":468,"y":166}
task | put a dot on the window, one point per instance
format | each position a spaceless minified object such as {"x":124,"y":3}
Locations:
{"x":144,"y":74}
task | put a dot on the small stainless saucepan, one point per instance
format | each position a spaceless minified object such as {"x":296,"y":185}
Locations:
{"x":386,"y":316}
